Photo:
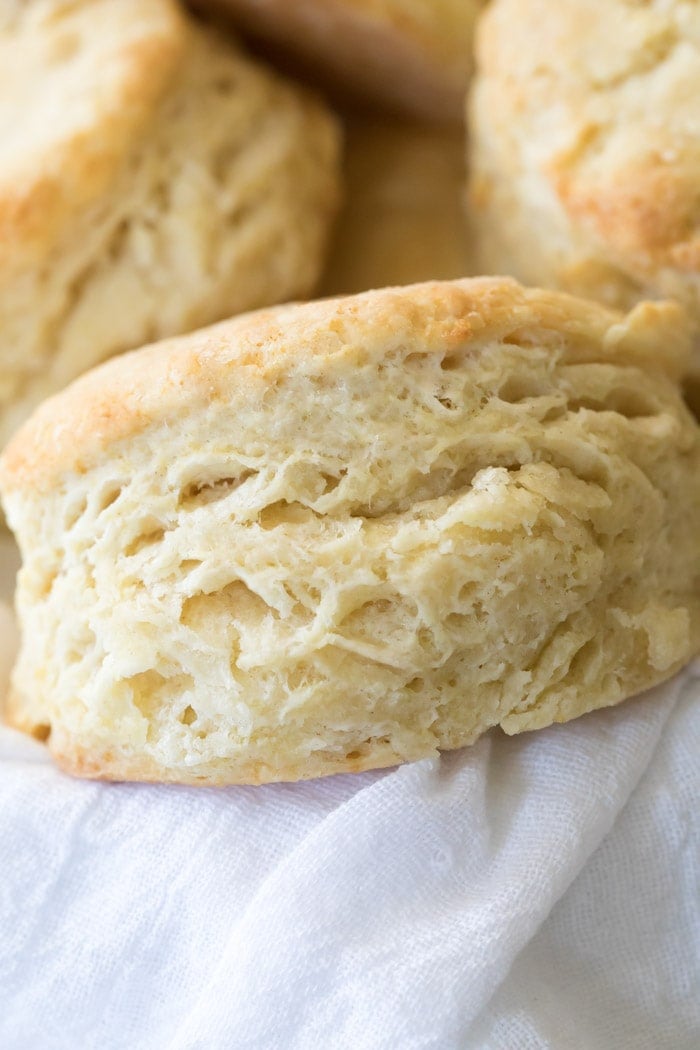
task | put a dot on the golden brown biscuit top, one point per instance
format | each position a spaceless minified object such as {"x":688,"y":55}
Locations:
{"x":238,"y":360}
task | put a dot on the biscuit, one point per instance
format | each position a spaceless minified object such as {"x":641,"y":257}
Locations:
{"x":152,"y":180}
{"x":585,"y":147}
{"x":413,"y":55}
{"x":347,"y":534}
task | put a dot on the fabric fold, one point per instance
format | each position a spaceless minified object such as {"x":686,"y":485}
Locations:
{"x":376,"y":911}
{"x":394,"y":922}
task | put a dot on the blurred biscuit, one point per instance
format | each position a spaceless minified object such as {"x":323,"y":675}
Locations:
{"x":152,"y":179}
{"x":413,"y":55}
{"x":341,"y":535}
{"x":585,"y":147}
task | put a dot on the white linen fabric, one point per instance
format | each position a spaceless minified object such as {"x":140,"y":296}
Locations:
{"x":534,"y":892}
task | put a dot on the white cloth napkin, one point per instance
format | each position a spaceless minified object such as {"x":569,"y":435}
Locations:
{"x":534,"y":892}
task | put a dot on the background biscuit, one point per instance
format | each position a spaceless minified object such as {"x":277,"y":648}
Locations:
{"x":585,"y":147}
{"x":413,"y":55}
{"x":152,"y":179}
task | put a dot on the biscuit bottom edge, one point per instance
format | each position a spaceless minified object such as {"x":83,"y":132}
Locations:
{"x":115,"y":765}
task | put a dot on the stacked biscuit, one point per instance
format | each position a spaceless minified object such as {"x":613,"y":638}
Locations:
{"x":348,"y":533}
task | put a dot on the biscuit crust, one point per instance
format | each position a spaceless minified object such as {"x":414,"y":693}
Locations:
{"x":342,"y":535}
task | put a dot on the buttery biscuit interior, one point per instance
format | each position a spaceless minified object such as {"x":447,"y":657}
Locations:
{"x":343,"y":535}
